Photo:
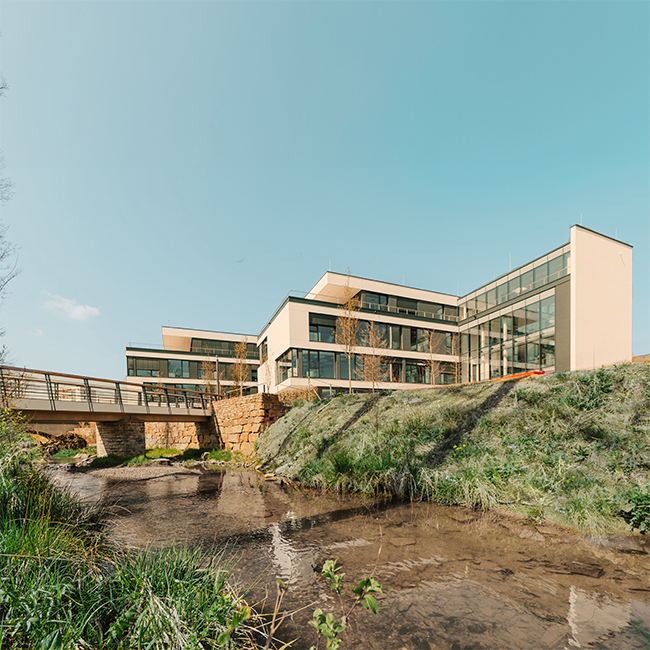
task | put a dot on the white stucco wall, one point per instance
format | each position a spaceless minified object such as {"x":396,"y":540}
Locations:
{"x":601,"y":300}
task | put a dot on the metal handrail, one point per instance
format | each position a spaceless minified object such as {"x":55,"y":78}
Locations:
{"x":364,"y":304}
{"x":18,"y":384}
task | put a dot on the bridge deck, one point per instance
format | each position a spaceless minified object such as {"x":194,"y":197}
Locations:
{"x":56,"y":397}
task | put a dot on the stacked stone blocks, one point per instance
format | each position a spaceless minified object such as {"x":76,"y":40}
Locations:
{"x":241,"y":419}
{"x":235,"y":425}
{"x":122,"y":438}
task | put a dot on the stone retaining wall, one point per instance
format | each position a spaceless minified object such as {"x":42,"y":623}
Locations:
{"x":241,"y":419}
{"x":180,"y":435}
{"x":235,"y":426}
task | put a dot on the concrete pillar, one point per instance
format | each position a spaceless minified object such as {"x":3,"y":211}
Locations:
{"x":122,"y":438}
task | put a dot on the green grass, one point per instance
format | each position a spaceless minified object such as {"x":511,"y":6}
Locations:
{"x":111,"y":460}
{"x":227,"y":456}
{"x":224,"y":455}
{"x":573,"y":447}
{"x":162,"y":453}
{"x":63,"y":587}
{"x":70,"y":453}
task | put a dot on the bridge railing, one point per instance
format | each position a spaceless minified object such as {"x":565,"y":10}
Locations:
{"x":19,"y":386}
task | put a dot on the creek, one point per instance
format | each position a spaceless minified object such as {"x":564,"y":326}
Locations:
{"x":452,"y":578}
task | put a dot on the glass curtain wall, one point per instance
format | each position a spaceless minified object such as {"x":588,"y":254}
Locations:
{"x":513,"y":286}
{"x":518,"y":341}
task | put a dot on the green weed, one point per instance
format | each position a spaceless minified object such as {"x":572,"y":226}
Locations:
{"x":637,"y":511}
{"x":70,"y":453}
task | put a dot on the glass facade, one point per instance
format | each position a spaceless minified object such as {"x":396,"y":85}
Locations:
{"x":516,"y":284}
{"x":407,"y":306}
{"x":519,"y":340}
{"x":319,"y":364}
{"x":176,"y":368}
{"x":212,"y":347}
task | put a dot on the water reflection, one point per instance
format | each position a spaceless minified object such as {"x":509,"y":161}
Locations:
{"x":451,"y":578}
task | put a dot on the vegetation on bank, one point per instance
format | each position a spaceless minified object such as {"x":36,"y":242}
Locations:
{"x":570,"y":447}
{"x":71,"y":453}
{"x":62,"y":586}
{"x":224,"y":455}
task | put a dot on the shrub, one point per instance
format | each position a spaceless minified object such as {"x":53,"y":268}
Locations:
{"x":637,"y":512}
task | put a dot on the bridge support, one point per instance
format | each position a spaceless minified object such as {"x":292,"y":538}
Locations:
{"x":122,"y":438}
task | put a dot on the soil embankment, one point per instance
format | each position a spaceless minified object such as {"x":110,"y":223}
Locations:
{"x":570,"y":447}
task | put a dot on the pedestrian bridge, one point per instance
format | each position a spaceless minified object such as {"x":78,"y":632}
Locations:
{"x":46,"y":397}
{"x":128,"y":418}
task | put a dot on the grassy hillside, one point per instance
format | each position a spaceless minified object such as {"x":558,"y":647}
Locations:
{"x":570,"y":447}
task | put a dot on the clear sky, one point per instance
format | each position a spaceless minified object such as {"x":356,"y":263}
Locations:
{"x":189,"y":163}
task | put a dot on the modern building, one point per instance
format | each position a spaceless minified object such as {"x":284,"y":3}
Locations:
{"x":191,"y":359}
{"x":570,"y":309}
{"x":299,"y":346}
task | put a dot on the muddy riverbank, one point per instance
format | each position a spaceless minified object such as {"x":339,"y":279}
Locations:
{"x":452,"y":577}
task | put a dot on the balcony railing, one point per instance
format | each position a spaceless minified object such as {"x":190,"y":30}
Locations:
{"x":18,"y":386}
{"x":364,"y":304}
{"x":520,"y":293}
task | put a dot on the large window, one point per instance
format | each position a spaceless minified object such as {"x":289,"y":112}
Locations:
{"x":322,"y":328}
{"x":541,"y":274}
{"x":521,"y":340}
{"x":174,"y":368}
{"x":532,"y":318}
{"x":357,"y":366}
{"x":286,"y":365}
{"x":416,"y":373}
{"x":514,"y":287}
{"x":548,"y":313}
{"x":318,"y":364}
{"x":222,"y":348}
{"x":178,"y":369}
{"x":382,"y":333}
{"x":547,"y":351}
{"x":138,"y":367}
{"x":375,"y":301}
{"x":396,"y":337}
{"x":407,"y":305}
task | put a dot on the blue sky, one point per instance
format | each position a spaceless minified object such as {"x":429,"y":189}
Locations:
{"x":154,"y":145}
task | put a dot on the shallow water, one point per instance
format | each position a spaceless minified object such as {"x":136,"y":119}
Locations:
{"x":452,"y":578}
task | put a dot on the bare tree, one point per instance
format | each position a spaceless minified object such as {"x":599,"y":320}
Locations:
{"x":8,"y":268}
{"x":436,"y":345}
{"x":6,"y":185}
{"x":347,"y":326}
{"x":456,"y":351}
{"x":266,"y":367}
{"x":374,"y":366}
{"x":209,"y":376}
{"x":240,"y":370}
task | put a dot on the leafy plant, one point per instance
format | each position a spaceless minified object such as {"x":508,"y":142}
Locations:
{"x":637,"y":512}
{"x":326,"y":625}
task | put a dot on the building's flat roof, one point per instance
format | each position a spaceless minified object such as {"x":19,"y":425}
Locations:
{"x":399,"y":288}
{"x":600,"y":234}
{"x":199,"y":331}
